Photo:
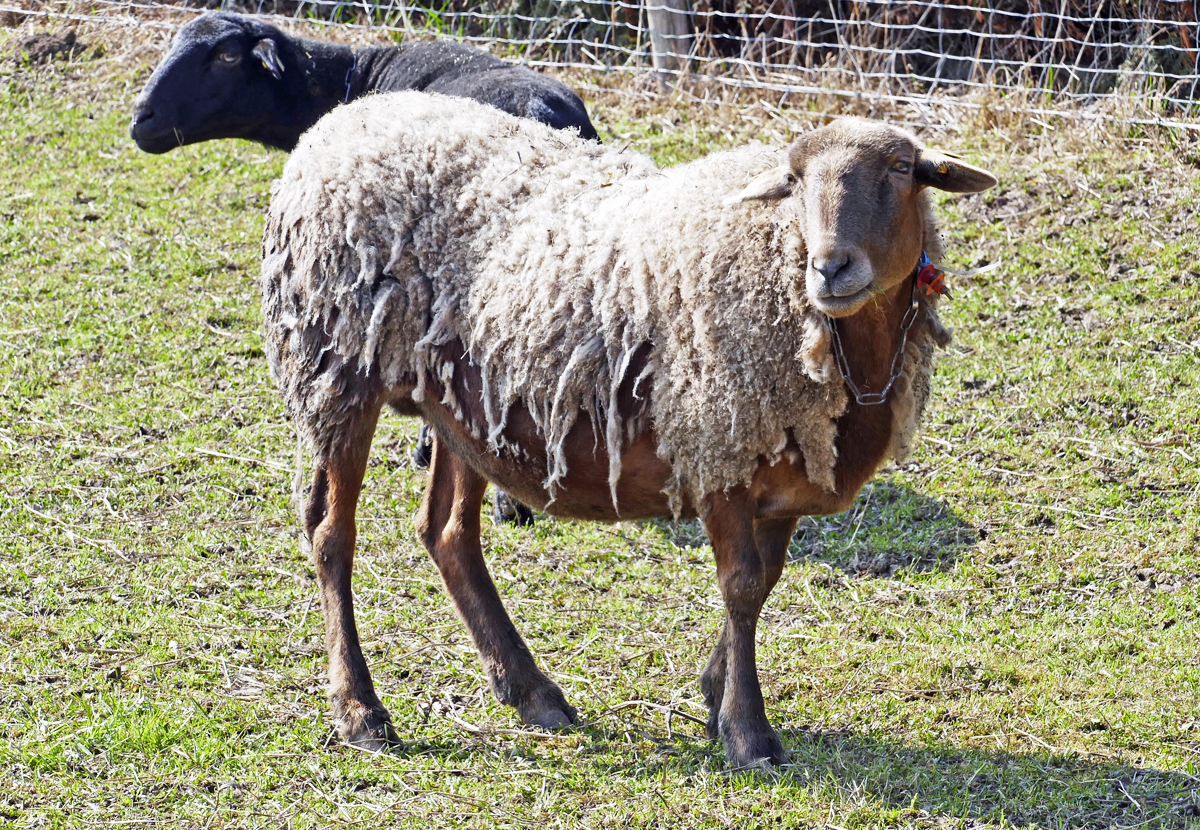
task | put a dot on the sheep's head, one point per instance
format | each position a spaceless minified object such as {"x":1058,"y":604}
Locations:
{"x":221,"y":79}
{"x":858,"y":186}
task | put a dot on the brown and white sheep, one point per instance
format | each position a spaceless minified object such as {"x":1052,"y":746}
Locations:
{"x":605,"y":340}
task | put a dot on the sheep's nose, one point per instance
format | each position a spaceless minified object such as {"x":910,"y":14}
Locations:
{"x":141,"y":115}
{"x":830,"y":266}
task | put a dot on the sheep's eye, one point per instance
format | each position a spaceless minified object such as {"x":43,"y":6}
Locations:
{"x":791,"y":179}
{"x":902,"y":167}
{"x":228,"y":58}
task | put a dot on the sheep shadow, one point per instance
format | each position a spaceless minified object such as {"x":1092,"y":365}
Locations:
{"x":890,"y":527}
{"x":943,"y":786}
{"x":931,"y":784}
{"x":1042,"y":788}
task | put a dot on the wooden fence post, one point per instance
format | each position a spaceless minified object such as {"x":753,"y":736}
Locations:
{"x":670,"y":37}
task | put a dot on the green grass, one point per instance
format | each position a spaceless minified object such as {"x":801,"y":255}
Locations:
{"x":1002,"y":632}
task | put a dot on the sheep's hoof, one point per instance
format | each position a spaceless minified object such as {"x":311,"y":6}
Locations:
{"x":746,"y":748}
{"x":508,"y":511}
{"x":369,"y":729}
{"x":422,"y":454}
{"x":548,"y":709}
{"x":554,"y":720}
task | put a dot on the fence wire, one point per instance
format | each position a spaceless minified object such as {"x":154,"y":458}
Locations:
{"x":1033,"y":54}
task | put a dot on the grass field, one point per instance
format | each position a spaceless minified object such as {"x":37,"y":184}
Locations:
{"x":1002,"y":632}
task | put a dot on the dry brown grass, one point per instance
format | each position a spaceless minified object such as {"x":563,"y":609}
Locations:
{"x":741,"y":104}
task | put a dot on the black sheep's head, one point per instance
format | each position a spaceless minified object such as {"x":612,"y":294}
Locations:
{"x":223,"y":77}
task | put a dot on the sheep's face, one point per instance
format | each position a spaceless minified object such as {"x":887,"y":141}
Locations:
{"x":859,"y":186}
{"x":220,"y":79}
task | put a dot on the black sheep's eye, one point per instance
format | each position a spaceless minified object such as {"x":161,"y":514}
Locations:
{"x":225,"y":58}
{"x":902,"y":167}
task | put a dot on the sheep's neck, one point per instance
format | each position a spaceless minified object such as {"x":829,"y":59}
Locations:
{"x":865,"y":396}
{"x":318,"y":87}
{"x":870,"y":339}
{"x":873,"y":337}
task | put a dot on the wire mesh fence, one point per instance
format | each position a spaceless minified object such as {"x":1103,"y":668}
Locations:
{"x":1033,"y":55}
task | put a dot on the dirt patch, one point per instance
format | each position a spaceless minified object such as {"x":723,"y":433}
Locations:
{"x":45,"y":46}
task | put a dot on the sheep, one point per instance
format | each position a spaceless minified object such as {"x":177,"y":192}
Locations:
{"x":229,"y":76}
{"x":207,"y":88}
{"x":604,"y":339}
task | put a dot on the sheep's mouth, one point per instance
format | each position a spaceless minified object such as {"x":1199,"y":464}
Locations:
{"x":842,"y":293}
{"x":844,"y":296}
{"x":835,"y":306}
{"x":153,"y":141}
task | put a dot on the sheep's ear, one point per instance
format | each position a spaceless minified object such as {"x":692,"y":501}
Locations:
{"x":774,"y":184}
{"x":939,"y":170}
{"x":265,"y":51}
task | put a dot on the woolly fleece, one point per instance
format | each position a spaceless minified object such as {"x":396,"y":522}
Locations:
{"x":404,"y":221}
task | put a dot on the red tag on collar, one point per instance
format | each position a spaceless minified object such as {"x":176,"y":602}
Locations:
{"x":932,"y":280}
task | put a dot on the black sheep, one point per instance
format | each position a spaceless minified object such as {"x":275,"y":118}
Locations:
{"x":229,"y":76}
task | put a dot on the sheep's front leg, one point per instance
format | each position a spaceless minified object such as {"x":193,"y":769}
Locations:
{"x":449,"y":526}
{"x":750,"y":559}
{"x":329,"y":533}
{"x":772,"y":538}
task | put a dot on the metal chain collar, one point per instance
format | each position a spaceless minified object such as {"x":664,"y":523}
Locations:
{"x":876,"y":398}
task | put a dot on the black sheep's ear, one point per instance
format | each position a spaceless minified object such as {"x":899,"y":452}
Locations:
{"x":265,"y":51}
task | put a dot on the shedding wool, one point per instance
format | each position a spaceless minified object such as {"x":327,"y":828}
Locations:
{"x":407,"y":221}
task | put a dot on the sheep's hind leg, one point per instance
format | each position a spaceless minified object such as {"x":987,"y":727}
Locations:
{"x":449,"y":526}
{"x":750,"y":557}
{"x":712,"y":682}
{"x":507,"y":510}
{"x":423,"y":450}
{"x":329,"y":533}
